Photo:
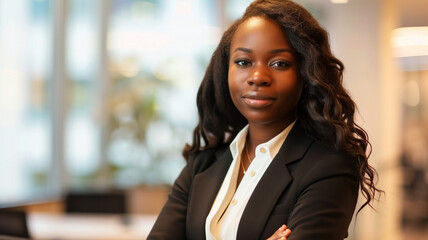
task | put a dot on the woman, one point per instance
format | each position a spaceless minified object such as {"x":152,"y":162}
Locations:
{"x":276,"y":153}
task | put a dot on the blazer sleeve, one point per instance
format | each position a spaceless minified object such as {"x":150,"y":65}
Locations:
{"x":327,"y":201}
{"x":171,"y":222}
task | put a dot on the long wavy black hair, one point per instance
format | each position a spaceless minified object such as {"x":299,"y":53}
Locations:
{"x":325,"y":109}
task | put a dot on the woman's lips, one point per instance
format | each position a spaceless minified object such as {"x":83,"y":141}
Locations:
{"x":258,"y":99}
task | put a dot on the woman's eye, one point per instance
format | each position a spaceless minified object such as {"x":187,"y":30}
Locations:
{"x":242,"y":62}
{"x":281,"y":64}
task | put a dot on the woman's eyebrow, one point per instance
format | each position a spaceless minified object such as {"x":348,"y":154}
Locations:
{"x":271,"y":52}
{"x":281,"y":50}
{"x":243,"y":49}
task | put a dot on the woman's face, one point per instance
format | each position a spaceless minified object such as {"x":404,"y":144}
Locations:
{"x":263,"y":73}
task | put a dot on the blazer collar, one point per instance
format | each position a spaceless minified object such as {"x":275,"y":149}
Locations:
{"x":205,"y":188}
{"x":276,"y":178}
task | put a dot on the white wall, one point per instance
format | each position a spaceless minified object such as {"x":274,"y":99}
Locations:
{"x":360,"y":35}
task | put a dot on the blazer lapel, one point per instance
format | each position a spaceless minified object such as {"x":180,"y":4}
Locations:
{"x":275,"y":179}
{"x":204,"y":190}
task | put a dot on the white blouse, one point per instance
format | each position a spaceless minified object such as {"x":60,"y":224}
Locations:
{"x":223,"y":220}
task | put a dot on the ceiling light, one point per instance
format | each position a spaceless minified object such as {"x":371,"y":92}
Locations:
{"x":410,"y":41}
{"x":339,"y":1}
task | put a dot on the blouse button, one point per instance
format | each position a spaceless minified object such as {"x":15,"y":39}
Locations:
{"x":234,"y":202}
{"x":252,"y":173}
{"x":263,"y":150}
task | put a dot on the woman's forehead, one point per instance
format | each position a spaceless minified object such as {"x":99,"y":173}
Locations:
{"x":256,"y":31}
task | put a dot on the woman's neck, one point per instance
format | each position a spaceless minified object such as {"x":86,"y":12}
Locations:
{"x":261,"y":133}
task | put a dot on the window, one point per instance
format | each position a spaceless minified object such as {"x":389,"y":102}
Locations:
{"x":100,"y":93}
{"x":84,"y":81}
{"x":25,"y":101}
{"x":158,"y":52}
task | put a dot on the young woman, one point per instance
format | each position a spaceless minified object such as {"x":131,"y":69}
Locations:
{"x":276,"y":153}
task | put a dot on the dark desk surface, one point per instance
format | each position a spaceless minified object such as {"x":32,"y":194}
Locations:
{"x":3,"y":237}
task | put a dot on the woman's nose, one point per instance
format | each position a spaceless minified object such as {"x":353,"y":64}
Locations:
{"x":259,"y":76}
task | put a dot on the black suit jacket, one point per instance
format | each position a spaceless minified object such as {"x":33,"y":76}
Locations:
{"x":309,"y":187}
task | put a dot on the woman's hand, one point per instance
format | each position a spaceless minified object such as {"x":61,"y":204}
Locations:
{"x":281,"y":234}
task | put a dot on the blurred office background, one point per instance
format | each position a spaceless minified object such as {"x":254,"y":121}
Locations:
{"x":99,"y":94}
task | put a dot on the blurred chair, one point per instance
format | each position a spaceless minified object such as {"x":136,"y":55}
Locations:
{"x":96,"y":202}
{"x":13,"y":225}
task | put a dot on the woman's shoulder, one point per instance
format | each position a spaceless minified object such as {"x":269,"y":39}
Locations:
{"x":315,"y":148}
{"x":328,"y":160}
{"x":202,"y":160}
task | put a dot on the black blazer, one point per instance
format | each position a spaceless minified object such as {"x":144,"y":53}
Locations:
{"x":309,"y":187}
